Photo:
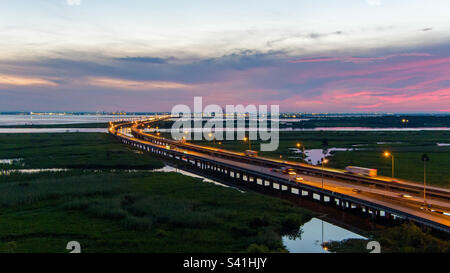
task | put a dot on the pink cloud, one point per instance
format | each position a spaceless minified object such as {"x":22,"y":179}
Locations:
{"x":368,"y":106}
{"x":135,"y":85}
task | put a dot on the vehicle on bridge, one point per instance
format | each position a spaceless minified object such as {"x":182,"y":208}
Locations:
{"x":299,"y":179}
{"x":367,"y":203}
{"x":251,"y":153}
{"x":361,"y":171}
{"x":285,"y":170}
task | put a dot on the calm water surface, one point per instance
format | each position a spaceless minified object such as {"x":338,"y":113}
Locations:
{"x":314,"y":233}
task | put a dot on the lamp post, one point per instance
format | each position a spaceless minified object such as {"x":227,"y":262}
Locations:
{"x":303,"y":149}
{"x":249,"y":142}
{"x":425,"y":158}
{"x":214,"y":139}
{"x":388,"y":154}
{"x":324,"y":161}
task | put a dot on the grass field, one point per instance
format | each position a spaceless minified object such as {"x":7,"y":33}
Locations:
{"x":140,"y":212}
{"x":407,"y":238}
{"x":111,"y":210}
{"x":73,"y":151}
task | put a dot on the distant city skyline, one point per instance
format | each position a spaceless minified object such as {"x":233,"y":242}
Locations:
{"x":306,"y":56}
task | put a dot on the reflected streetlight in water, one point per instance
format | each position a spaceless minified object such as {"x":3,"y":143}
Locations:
{"x":324,"y":244}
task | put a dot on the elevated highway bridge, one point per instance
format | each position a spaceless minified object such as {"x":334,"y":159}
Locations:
{"x":378,"y":197}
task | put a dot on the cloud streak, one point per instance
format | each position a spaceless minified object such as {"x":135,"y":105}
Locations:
{"x":358,"y":59}
{"x":136,"y":85}
{"x":12,"y":80}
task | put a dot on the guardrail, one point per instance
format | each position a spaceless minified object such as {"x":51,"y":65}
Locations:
{"x":368,"y":205}
{"x":416,"y":189}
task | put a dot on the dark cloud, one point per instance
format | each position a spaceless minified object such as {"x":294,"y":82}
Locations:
{"x":314,"y":35}
{"x":426,"y":29}
{"x":149,"y":68}
{"x":242,"y":76}
{"x":310,"y":35}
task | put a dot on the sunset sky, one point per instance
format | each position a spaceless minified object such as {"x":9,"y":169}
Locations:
{"x":308,"y":56}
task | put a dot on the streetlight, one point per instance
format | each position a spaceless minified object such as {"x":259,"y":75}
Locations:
{"x":249,"y":142}
{"x":425,"y":158}
{"x":303,"y":149}
{"x":214,"y":138}
{"x":324,"y":161}
{"x":388,"y":154}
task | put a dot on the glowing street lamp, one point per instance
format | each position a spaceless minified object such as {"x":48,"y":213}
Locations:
{"x":387,"y":155}
{"x":324,"y":161}
{"x":303,"y":149}
{"x":185,"y":135}
{"x":249,"y":143}
{"x":214,"y":138}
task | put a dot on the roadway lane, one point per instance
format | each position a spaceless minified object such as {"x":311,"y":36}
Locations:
{"x":383,"y":179}
{"x":377,"y":196}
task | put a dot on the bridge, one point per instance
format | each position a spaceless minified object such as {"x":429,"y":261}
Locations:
{"x":377,"y":197}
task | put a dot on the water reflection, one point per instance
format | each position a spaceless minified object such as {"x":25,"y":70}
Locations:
{"x":43,"y":119}
{"x":308,"y":239}
{"x":313,"y":234}
{"x":331,"y":129}
{"x":169,"y":169}
{"x":30,"y":171}
{"x":315,"y":156}
{"x":51,"y":130}
{"x":10,"y":161}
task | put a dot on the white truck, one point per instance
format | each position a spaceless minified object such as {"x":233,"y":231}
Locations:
{"x":361,"y":171}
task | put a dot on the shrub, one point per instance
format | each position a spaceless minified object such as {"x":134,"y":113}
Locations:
{"x":255,"y":248}
{"x":137,"y":223}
